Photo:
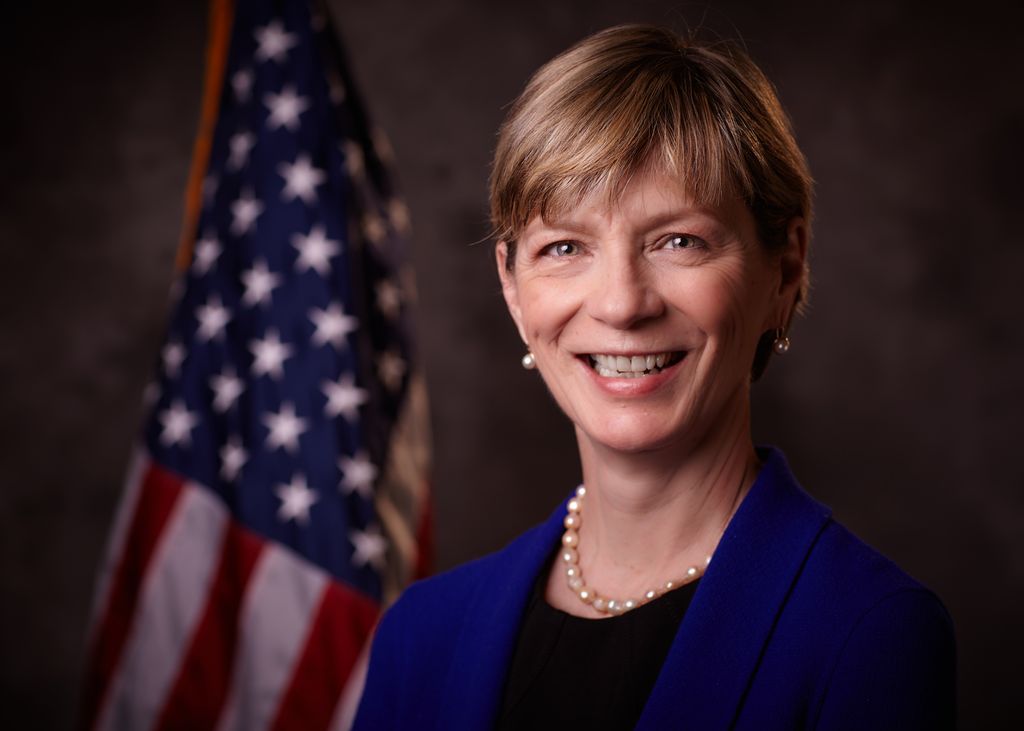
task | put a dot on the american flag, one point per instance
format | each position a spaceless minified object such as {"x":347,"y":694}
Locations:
{"x":278,"y":491}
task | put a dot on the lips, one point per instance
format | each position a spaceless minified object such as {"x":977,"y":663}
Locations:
{"x":632,"y":366}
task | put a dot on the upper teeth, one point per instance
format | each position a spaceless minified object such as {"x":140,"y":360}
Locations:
{"x":629,"y":363}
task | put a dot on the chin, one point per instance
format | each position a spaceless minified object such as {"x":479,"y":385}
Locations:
{"x":630,"y":438}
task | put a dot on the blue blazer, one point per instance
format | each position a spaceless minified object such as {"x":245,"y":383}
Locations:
{"x":797,"y":624}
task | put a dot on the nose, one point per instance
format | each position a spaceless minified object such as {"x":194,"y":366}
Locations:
{"x":624,"y":293}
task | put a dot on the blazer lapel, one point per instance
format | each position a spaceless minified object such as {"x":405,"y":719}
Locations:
{"x":715,"y":653}
{"x":485,"y":644}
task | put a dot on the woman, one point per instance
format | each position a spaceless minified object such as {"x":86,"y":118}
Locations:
{"x":653,"y":211}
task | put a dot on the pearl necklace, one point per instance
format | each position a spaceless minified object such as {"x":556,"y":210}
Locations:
{"x":574,"y":574}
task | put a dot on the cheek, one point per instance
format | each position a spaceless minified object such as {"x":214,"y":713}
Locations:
{"x":545,"y":310}
{"x":728,"y":306}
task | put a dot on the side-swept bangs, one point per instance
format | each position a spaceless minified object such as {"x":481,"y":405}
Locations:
{"x":636,"y":96}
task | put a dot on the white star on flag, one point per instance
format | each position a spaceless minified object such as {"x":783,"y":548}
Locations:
{"x":285,"y":109}
{"x":173,"y":355}
{"x":343,"y":398}
{"x":296,"y":500}
{"x":241,"y":84}
{"x":332,"y":325}
{"x":391,"y":368}
{"x":358,"y":474}
{"x":212,"y":316}
{"x":232,"y":458}
{"x":178,"y":423}
{"x":389,"y":298}
{"x":370,"y":548}
{"x":315,"y":250}
{"x":241,"y":145}
{"x":227,"y":387}
{"x":300,"y":180}
{"x":244,"y":212}
{"x":273,"y":42}
{"x":269,"y":355}
{"x":207,"y":250}
{"x":285,"y":428}
{"x":259,"y":283}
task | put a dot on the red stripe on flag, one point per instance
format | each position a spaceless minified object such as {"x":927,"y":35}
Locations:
{"x":159,"y":495}
{"x":198,"y":693}
{"x":425,"y":539}
{"x":343,"y":624}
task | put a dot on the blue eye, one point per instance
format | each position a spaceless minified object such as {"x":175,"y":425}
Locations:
{"x":563,"y":248}
{"x":682,"y":241}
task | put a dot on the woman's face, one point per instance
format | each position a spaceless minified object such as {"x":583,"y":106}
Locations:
{"x":643,"y":316}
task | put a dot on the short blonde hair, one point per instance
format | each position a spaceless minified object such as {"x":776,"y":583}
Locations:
{"x":635,"y":96}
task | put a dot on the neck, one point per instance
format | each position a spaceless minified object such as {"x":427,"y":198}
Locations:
{"x":649,"y":515}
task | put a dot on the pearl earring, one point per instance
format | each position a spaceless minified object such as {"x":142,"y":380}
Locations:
{"x":529,"y":362}
{"x":781,"y":342}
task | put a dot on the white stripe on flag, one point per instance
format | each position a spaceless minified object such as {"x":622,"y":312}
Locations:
{"x":119,"y":533}
{"x":276,"y":618}
{"x":171,"y":601}
{"x":352,"y":693}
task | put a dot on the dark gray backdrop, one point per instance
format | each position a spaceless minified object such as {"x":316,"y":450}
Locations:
{"x":898,"y":404}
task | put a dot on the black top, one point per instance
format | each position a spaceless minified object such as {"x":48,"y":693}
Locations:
{"x":571,"y":672}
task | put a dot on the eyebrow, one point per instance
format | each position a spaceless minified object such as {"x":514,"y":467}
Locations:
{"x":687,"y":216}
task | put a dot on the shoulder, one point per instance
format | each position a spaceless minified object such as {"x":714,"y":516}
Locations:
{"x":854,"y":581}
{"x":417,"y":642}
{"x":890,"y":652}
{"x":832,"y":567}
{"x":852,"y":571}
{"x":429,"y":614}
{"x":433,"y":597}
{"x":860,"y":642}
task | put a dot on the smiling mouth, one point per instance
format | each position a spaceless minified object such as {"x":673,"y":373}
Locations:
{"x":632,"y":366}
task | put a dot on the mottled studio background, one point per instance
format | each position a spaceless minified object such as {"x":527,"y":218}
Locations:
{"x":899,"y":404}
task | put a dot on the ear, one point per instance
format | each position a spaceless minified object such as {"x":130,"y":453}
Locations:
{"x":792,"y":270}
{"x":508,"y":287}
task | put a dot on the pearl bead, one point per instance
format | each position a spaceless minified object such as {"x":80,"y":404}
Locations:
{"x":573,"y":521}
